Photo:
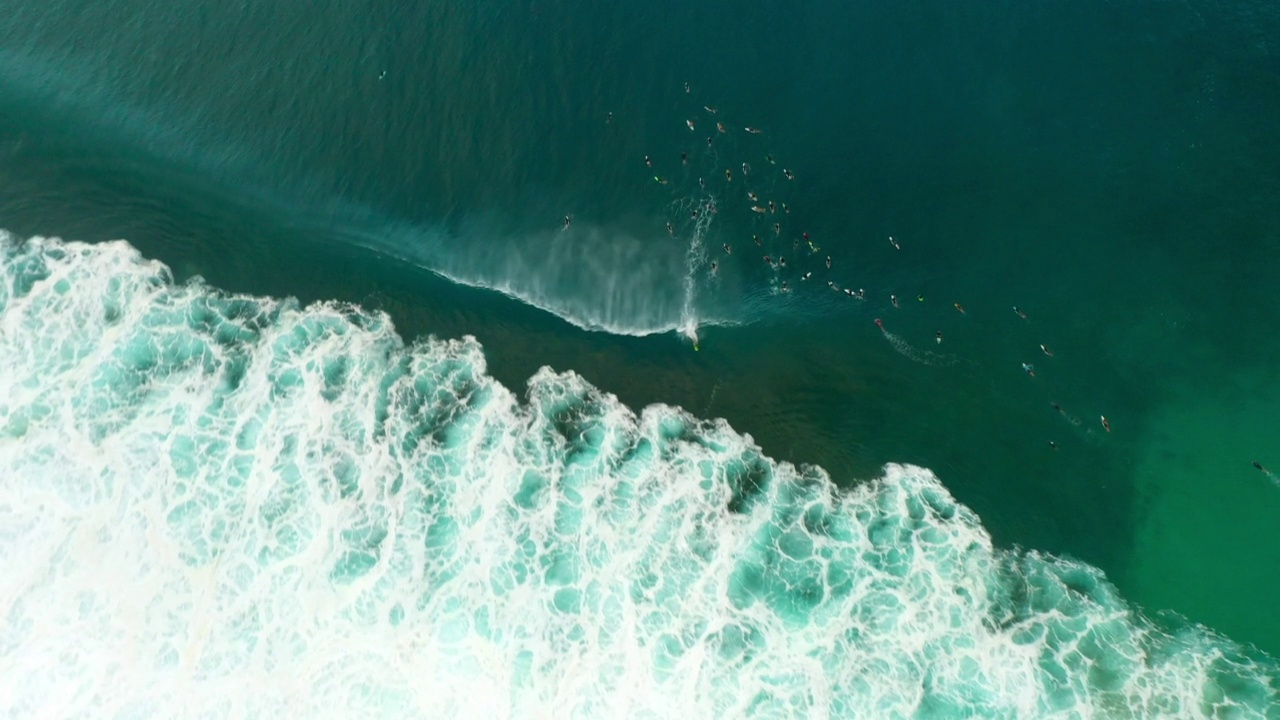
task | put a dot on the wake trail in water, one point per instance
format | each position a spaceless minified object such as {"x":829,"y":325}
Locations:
{"x":918,"y":355}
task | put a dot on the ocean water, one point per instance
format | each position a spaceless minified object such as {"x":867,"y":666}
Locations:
{"x":225,"y":505}
{"x":440,"y":359}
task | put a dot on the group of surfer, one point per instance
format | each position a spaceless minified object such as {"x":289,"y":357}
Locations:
{"x":753,"y":186}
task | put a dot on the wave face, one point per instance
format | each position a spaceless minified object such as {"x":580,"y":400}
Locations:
{"x":219,"y":505}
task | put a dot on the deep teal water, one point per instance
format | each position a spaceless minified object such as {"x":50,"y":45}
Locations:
{"x":1108,"y":168}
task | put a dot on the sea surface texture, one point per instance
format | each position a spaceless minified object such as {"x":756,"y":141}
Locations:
{"x":568,"y":359}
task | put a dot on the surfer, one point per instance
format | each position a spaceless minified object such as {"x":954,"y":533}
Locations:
{"x":786,"y":209}
{"x":938,"y":336}
{"x":660,"y":180}
{"x":768,"y":261}
{"x":782,"y":261}
{"x":894,"y":243}
{"x":894,"y":299}
{"x":756,"y":239}
{"x":753,"y":131}
{"x":880,"y":324}
{"x":788,"y":174}
{"x":828,"y":262}
{"x":714,"y":267}
{"x":758,"y":209}
{"x":773,"y":207}
{"x":1106,"y":424}
{"x":752,"y":196}
{"x":708,"y":141}
{"x":671,"y":230}
{"x":1019,"y":312}
{"x":777,"y":228}
{"x":693,"y":214}
{"x":608,"y":118}
{"x":1053,"y":445}
{"x":711,"y":109}
{"x":720,"y":127}
{"x":806,"y":276}
{"x":568,"y":220}
{"x":960,"y":307}
{"x":1046,"y":350}
{"x":690,"y":124}
{"x":770,"y":159}
{"x":746,"y":169}
{"x":647,"y":161}
{"x":784,"y":287}
{"x":686,"y":88}
{"x":1031,"y":370}
{"x":684,"y":158}
{"x":728,"y":175}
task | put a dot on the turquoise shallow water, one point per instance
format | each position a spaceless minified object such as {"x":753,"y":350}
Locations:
{"x":1109,"y":170}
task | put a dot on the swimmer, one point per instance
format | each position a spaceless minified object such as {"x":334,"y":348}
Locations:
{"x":828,"y":262}
{"x":708,"y":142}
{"x":782,"y":261}
{"x":714,"y":267}
{"x":728,"y":175}
{"x":693,"y":214}
{"x":608,"y":118}
{"x":1057,"y":407}
{"x":756,"y":239}
{"x":786,"y":209}
{"x":690,"y":124}
{"x":711,"y":109}
{"x":753,"y":131}
{"x":568,"y":220}
{"x":1259,"y":466}
{"x":861,"y":294}
{"x":768,"y":260}
{"x":752,"y":196}
{"x":382,"y":75}
{"x":1019,"y":312}
{"x":1106,"y":425}
{"x":777,"y":228}
{"x":787,"y":173}
{"x":757,"y":208}
{"x":813,"y":249}
{"x":784,"y":287}
{"x":671,"y":230}
{"x":804,"y":235}
{"x":1046,"y":350}
{"x":894,"y":243}
{"x":1029,"y":369}
{"x":938,"y":336}
{"x":960,"y":307}
{"x":1053,"y":445}
{"x":728,"y":249}
{"x":920,"y":297}
{"x":647,"y":161}
{"x":746,"y":168}
{"x":660,"y":180}
{"x":806,"y":276}
{"x":773,"y":207}
{"x":770,"y":159}
{"x":894,"y":299}
{"x":720,"y":127}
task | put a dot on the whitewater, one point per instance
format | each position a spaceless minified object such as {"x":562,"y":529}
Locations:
{"x":217,"y":505}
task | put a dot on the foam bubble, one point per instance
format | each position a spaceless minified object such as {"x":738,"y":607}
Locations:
{"x":219,"y":505}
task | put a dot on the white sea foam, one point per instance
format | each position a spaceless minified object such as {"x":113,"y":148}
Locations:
{"x":228,"y":506}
